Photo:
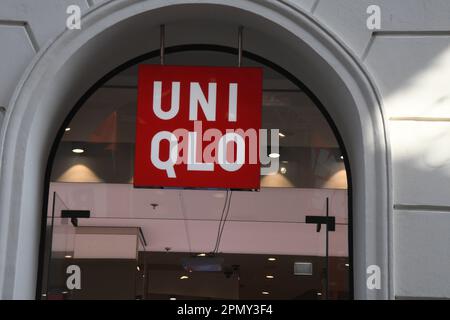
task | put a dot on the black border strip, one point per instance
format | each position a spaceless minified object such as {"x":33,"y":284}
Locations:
{"x":184,"y":48}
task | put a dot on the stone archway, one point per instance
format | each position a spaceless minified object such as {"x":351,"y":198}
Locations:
{"x":68,"y":67}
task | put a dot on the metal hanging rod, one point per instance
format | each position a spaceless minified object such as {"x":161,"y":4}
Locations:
{"x":162,"y":43}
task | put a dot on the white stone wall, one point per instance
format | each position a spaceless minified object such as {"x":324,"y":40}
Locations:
{"x":409,"y":60}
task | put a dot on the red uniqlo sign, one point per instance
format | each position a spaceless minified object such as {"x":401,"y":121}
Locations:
{"x":198,"y":127}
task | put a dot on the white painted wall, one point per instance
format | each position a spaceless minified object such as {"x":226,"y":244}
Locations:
{"x":408,"y":59}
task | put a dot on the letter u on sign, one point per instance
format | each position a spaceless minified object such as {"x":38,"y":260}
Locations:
{"x":195,"y":125}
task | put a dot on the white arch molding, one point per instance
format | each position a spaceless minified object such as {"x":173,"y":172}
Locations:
{"x":119,"y":30}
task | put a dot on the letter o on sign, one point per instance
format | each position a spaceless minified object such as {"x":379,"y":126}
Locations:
{"x":222,"y":151}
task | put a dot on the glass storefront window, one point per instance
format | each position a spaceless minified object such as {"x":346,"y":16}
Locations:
{"x":167,"y":243}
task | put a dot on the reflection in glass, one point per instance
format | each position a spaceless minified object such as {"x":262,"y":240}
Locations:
{"x":260,"y":238}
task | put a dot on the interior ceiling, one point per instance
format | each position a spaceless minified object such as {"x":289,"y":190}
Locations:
{"x":285,"y":107}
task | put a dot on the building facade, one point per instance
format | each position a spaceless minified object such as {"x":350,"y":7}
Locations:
{"x":380,"y":68}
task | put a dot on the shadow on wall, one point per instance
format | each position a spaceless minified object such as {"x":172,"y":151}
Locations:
{"x":421,"y":162}
{"x":413,"y":74}
{"x":417,"y":98}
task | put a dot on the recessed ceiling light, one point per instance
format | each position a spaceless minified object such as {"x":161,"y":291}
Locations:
{"x":137,"y":268}
{"x":272,"y":259}
{"x":173,"y":298}
{"x":283,"y":170}
{"x":342,"y":157}
{"x":77,"y":150}
{"x":65,"y":292}
{"x":67,"y":129}
{"x":269,"y":277}
{"x":347,"y":265}
{"x":319,"y":294}
{"x":274,"y":155}
{"x":184,"y":277}
{"x":281,"y":135}
{"x":68,"y":256}
{"x":265,"y":292}
{"x":201,"y":255}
